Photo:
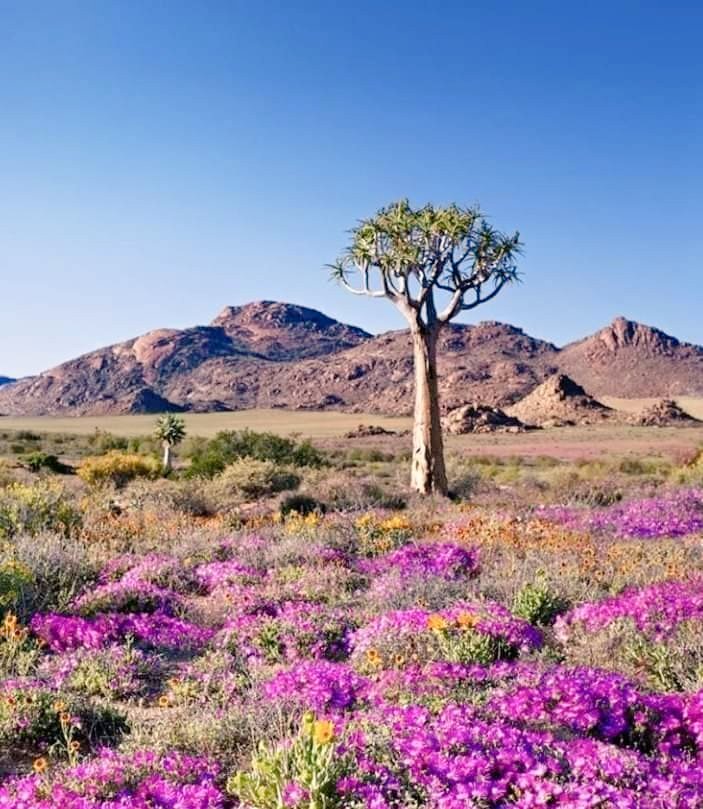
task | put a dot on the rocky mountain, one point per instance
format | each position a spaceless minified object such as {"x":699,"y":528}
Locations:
{"x":283,"y":331}
{"x":269,"y":354}
{"x":636,"y":360}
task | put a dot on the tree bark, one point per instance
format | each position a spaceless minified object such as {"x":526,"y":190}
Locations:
{"x":428,"y":474}
{"x":167,"y":456}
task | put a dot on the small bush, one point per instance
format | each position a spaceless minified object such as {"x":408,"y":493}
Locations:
{"x":301,"y":504}
{"x":35,"y":508}
{"x":15,"y":580}
{"x":27,"y":435}
{"x":210,"y":458}
{"x":254,"y":478}
{"x":104,"y":442}
{"x":58,"y":567}
{"x":6,"y":475}
{"x":37,"y":461}
{"x":537,"y":603}
{"x":118,"y":468}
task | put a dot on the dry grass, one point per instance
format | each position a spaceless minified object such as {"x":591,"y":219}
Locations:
{"x":284,"y":422}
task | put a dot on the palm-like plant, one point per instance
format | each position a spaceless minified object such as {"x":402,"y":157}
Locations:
{"x":170,"y":430}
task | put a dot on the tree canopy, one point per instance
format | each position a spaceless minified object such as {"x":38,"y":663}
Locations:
{"x":432,"y":262}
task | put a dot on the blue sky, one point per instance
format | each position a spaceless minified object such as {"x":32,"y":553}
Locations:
{"x":161,"y":160}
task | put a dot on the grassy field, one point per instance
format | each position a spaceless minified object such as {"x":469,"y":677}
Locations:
{"x":284,"y":422}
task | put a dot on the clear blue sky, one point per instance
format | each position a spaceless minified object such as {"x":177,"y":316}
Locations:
{"x":160,"y":160}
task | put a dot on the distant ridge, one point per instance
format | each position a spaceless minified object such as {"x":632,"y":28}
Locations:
{"x":5,"y":380}
{"x":273,"y":354}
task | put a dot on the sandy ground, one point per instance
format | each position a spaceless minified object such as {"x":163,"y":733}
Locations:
{"x":328,"y":429}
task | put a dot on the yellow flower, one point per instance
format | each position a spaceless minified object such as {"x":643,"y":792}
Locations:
{"x":40,"y":765}
{"x":59,"y":706}
{"x":436,"y":622}
{"x":164,"y":701}
{"x":323,"y":731}
{"x":373,"y":657}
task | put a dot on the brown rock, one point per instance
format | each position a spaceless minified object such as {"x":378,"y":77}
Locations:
{"x":664,"y":413}
{"x":477,"y":418}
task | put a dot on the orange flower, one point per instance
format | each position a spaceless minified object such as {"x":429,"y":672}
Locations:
{"x":465,"y":620}
{"x":373,"y":657}
{"x":436,"y":622}
{"x":164,"y":701}
{"x":323,"y":731}
{"x":59,"y":706}
{"x":40,"y":765}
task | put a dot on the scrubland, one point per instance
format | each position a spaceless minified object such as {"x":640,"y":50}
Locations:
{"x":281,"y":623}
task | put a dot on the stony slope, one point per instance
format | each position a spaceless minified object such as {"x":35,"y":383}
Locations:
{"x":270,"y":354}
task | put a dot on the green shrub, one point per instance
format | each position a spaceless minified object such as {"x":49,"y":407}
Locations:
{"x":210,"y":458}
{"x":36,"y":461}
{"x":102,"y":442}
{"x":254,"y":478}
{"x":35,"y":508}
{"x":537,"y":603}
{"x":310,"y":760}
{"x":15,"y":580}
{"x":118,"y":468}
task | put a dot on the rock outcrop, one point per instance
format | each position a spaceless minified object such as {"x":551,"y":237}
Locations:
{"x":664,"y":413}
{"x":557,"y":402}
{"x":478,"y":418}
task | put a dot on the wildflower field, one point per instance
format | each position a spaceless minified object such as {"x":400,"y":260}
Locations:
{"x":497,"y":651}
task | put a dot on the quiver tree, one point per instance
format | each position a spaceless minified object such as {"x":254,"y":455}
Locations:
{"x":432,"y":263}
{"x":170,"y":430}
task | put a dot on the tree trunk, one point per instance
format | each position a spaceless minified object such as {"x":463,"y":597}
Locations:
{"x":167,"y":456}
{"x":428,"y":473}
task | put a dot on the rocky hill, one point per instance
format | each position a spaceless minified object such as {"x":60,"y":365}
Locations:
{"x":283,"y":331}
{"x":269,"y":354}
{"x":557,"y":402}
{"x":636,"y":360}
